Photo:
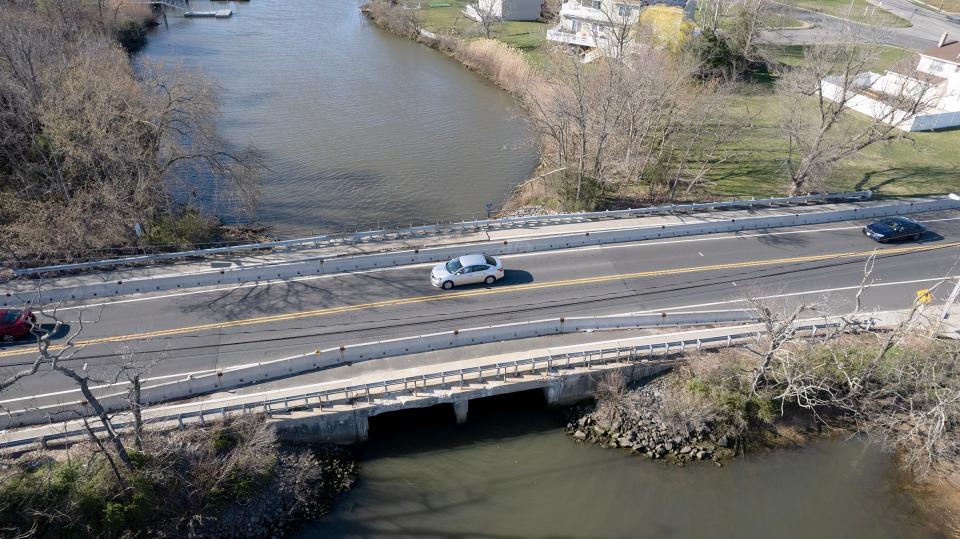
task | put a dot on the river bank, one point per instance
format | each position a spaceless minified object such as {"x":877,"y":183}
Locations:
{"x":510,"y":471}
{"x":735,"y":403}
{"x":226,"y":479}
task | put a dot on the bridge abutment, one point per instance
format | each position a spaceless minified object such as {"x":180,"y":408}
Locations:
{"x":460,"y":408}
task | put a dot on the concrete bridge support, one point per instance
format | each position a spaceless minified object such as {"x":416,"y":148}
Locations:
{"x":460,"y":408}
{"x":352,"y":425}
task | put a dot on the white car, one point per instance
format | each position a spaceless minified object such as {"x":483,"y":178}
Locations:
{"x":467,"y":269}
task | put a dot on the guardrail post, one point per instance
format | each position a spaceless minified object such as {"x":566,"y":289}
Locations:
{"x":180,"y":421}
{"x":729,"y":341}
{"x":461,"y":378}
{"x":368,"y":394}
{"x":699,"y":345}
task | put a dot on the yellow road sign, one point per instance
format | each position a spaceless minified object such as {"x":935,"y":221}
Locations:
{"x":924,"y":296}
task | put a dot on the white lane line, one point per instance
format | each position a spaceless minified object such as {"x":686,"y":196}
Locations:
{"x":652,"y":311}
{"x":791,"y":294}
{"x":574,"y":250}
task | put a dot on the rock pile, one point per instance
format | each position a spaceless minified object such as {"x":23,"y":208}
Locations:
{"x":642,"y":431}
{"x":302,"y":489}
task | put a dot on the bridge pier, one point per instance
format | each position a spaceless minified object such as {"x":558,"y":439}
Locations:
{"x":460,"y":408}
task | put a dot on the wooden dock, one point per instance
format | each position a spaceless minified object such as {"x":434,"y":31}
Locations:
{"x":219,"y":14}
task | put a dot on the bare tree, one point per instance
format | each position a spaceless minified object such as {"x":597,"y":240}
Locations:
{"x":488,"y":13}
{"x":630,"y":122}
{"x":815,"y":101}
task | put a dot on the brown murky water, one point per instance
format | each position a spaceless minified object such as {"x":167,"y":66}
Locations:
{"x":509,"y":472}
{"x":356,"y":125}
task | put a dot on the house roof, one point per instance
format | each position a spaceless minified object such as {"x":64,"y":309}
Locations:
{"x":950,"y":51}
{"x":927,"y":78}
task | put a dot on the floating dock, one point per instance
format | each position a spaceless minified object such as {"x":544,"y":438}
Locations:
{"x":220,"y":13}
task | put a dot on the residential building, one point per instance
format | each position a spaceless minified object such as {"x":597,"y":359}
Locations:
{"x":504,"y":10}
{"x":934,"y":84}
{"x":604,"y":25}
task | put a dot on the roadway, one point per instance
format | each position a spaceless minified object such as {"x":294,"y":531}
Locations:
{"x":926,"y":27}
{"x":202,"y":330}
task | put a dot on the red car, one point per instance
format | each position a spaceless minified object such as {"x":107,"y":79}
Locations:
{"x":15,"y":324}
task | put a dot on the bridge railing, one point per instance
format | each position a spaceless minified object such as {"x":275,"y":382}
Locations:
{"x":549,"y":365}
{"x":453,"y":228}
{"x":25,"y":411}
{"x":311,"y":266}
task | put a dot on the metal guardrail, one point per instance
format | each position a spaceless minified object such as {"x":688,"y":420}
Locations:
{"x":173,"y":387}
{"x":458,"y":227}
{"x":311,"y":266}
{"x":551,"y":364}
{"x":319,"y":399}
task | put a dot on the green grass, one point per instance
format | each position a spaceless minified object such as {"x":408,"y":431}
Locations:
{"x":887,"y":56}
{"x":526,"y":36}
{"x":529,"y":37}
{"x":924,"y":163}
{"x":857,"y":10}
{"x":950,"y":6}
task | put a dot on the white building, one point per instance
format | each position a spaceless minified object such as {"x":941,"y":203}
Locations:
{"x":599,"y":24}
{"x":504,"y":10}
{"x":935,"y":85}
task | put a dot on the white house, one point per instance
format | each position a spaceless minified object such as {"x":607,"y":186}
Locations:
{"x":935,"y":84}
{"x":504,"y":10}
{"x":600,"y":25}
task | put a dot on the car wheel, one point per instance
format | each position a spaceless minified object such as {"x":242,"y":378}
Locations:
{"x":8,"y":338}
{"x":447,"y":285}
{"x":490,"y":279}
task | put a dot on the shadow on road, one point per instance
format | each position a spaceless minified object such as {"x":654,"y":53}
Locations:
{"x":512,"y":277}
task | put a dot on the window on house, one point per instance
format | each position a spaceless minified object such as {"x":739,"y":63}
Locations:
{"x":595,"y":4}
{"x":624,"y":10}
{"x":936,"y":66}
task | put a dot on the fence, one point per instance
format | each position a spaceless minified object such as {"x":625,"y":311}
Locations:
{"x":459,"y":227}
{"x":549,"y":365}
{"x":190,"y":385}
{"x":438,"y":254}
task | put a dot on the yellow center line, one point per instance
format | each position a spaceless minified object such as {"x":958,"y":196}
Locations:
{"x":486,"y":291}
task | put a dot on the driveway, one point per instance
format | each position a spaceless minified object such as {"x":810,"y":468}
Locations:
{"x":926,"y":30}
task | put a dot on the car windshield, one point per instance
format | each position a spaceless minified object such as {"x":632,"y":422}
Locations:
{"x":490,"y":260}
{"x":454,"y":265}
{"x":10,"y":317}
{"x":895,"y":225}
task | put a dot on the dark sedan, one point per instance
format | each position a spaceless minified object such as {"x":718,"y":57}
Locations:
{"x":894,"y":229}
{"x":15,"y":324}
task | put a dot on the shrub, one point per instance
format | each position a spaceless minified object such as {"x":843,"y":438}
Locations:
{"x":184,"y":230}
{"x":130,"y":35}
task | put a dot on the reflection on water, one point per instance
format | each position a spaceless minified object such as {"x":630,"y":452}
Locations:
{"x":509,"y":472}
{"x":356,"y":125}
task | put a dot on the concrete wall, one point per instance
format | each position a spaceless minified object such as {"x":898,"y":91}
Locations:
{"x":352,"y":426}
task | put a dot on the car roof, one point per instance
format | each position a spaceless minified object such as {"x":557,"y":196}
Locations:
{"x":901,"y":219}
{"x":473,"y":260}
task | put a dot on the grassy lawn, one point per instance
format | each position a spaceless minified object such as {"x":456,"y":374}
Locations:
{"x":917,"y":164}
{"x":951,"y":6}
{"x":527,"y":36}
{"x":887,"y":56}
{"x":857,"y":10}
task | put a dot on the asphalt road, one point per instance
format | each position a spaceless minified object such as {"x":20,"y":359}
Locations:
{"x":926,"y":27}
{"x":200,"y":330}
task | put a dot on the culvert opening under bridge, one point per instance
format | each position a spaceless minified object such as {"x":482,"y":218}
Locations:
{"x":512,"y":414}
